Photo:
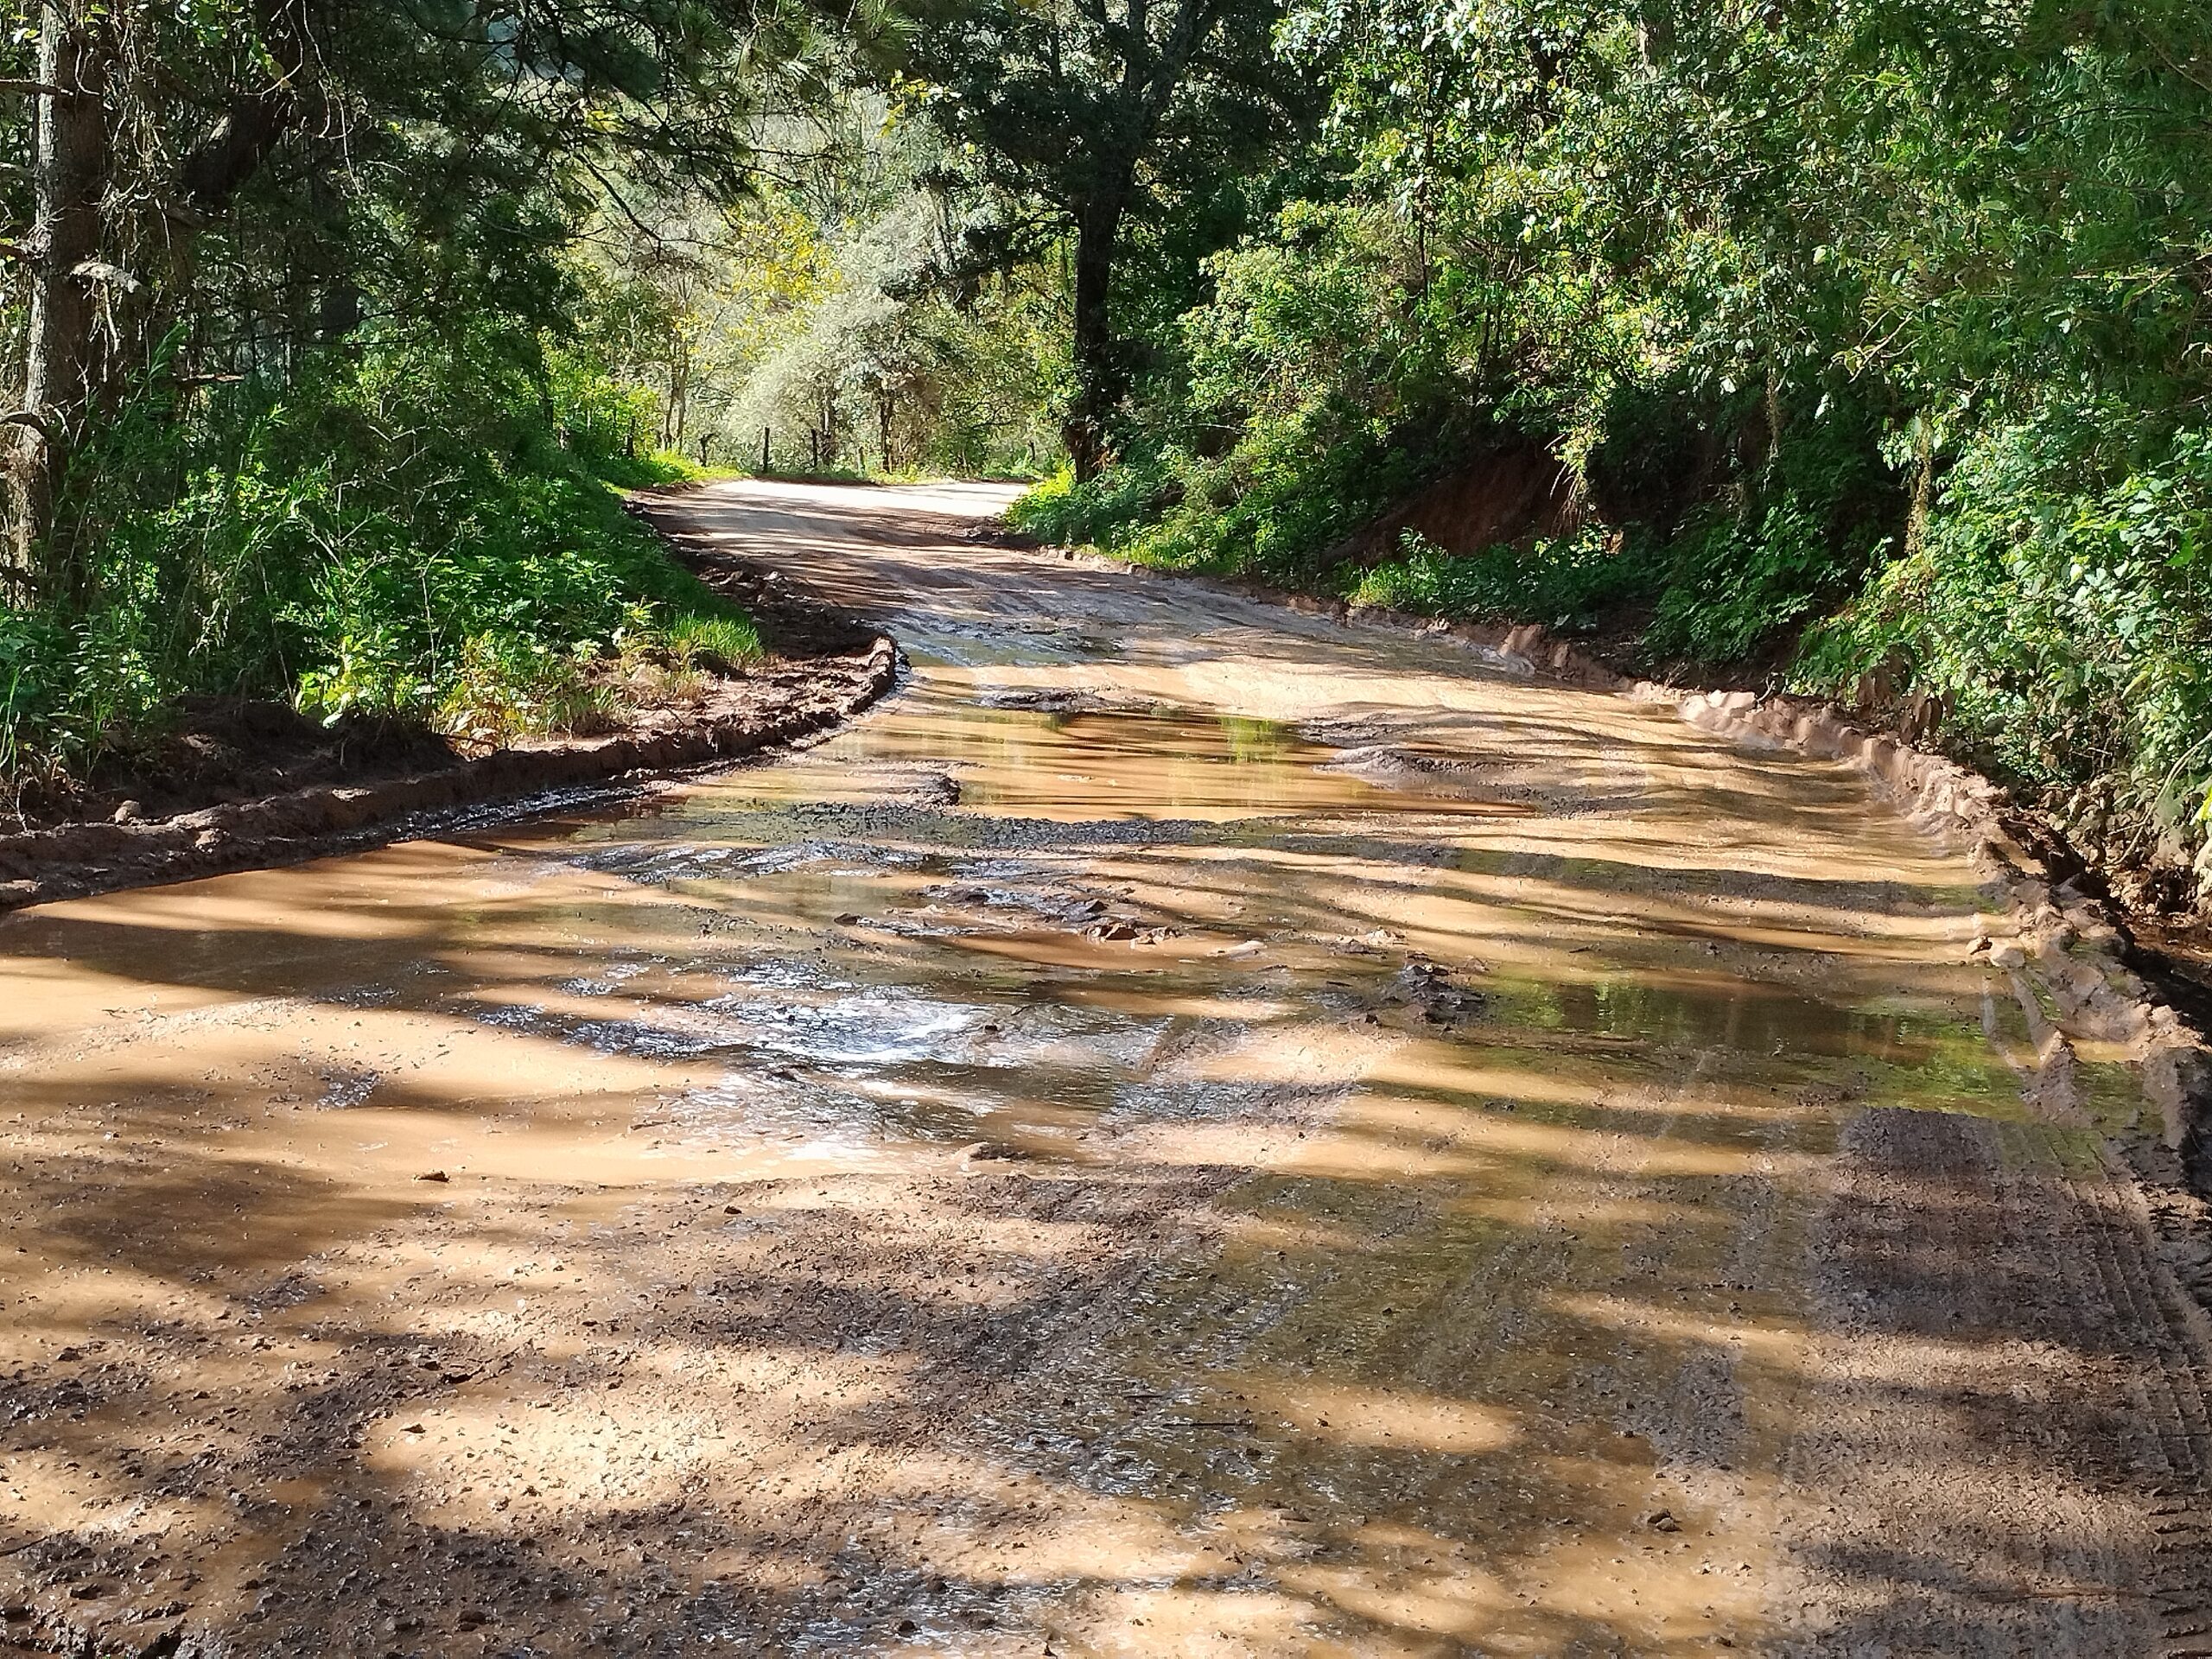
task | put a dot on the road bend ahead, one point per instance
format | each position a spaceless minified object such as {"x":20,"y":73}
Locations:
{"x":1190,"y":1130}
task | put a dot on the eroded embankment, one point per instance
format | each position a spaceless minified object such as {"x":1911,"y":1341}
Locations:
{"x":821,"y":669}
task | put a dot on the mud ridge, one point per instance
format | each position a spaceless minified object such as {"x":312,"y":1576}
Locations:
{"x":825,"y":682}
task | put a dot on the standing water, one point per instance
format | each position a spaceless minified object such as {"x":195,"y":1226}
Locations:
{"x":1191,"y":1129}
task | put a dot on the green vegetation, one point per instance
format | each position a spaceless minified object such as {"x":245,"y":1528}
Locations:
{"x":834,"y":319}
{"x":1867,"y":342}
{"x":398,"y":534}
{"x":1871,"y":340}
{"x":285,"y":420}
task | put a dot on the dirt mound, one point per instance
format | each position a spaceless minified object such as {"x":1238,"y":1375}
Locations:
{"x":232,"y":749}
{"x":1506,"y":496}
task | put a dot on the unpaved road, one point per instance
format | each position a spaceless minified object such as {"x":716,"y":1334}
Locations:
{"x":1189,"y":1131}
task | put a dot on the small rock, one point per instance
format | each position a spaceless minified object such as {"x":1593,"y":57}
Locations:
{"x":129,"y":812}
{"x":1662,"y":1521}
{"x":89,"y":1591}
{"x":208,"y":841}
{"x":851,"y":918}
{"x":70,"y":1353}
{"x":2007,"y":955}
{"x":435,"y":1175}
{"x":990,"y":1152}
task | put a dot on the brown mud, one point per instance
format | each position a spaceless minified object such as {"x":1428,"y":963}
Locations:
{"x":2090,"y":963}
{"x":1191,"y":1129}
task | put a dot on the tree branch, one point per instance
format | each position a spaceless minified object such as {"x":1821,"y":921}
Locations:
{"x":99,"y":271}
{"x":214,"y":172}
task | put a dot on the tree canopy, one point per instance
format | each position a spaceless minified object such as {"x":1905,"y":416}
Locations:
{"x":1083,"y":115}
{"x":1865,"y":345}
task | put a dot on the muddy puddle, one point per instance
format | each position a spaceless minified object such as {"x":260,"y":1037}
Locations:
{"x":1177,"y":1133}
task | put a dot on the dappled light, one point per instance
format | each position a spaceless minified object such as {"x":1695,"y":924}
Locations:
{"x":1113,"y":1175}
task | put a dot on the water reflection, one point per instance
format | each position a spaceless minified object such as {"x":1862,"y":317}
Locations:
{"x":1071,"y":1157}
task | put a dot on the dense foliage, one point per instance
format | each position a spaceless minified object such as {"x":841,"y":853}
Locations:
{"x":1871,"y":340}
{"x":398,"y":533}
{"x":1110,"y":126}
{"x":283,"y":416}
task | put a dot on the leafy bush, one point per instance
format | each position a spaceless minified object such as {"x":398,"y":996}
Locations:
{"x":1735,"y":583}
{"x":2059,"y":611}
{"x":404,"y":534}
{"x":1566,"y":582}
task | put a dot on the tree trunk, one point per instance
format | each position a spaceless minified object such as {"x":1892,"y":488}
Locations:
{"x":676,"y":413}
{"x":1097,"y":370}
{"x":338,"y":305}
{"x":69,"y":176}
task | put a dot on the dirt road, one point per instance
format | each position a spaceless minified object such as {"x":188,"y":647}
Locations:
{"x":1190,"y":1129}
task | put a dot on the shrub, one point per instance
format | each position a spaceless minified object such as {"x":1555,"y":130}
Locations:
{"x":1566,"y":582}
{"x":417,"y":532}
{"x":2056,"y":609}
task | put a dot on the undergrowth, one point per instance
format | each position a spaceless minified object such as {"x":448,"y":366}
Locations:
{"x":425,"y":533}
{"x":2056,"y":613}
{"x":1566,"y":582}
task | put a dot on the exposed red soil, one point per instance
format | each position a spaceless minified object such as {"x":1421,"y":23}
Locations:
{"x":1517,"y":492}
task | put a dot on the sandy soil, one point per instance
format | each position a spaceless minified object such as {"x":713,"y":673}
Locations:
{"x":1191,"y":1129}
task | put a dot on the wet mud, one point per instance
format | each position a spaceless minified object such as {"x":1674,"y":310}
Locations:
{"x":1190,"y":1128}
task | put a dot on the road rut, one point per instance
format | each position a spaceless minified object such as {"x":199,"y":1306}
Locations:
{"x":1191,"y":1128}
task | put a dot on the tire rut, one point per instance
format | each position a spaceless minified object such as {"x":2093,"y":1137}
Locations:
{"x":1965,"y":1269}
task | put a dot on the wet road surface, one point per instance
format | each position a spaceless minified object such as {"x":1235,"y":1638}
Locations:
{"x":1189,"y":1130}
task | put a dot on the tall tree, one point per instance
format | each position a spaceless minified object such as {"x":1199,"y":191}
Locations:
{"x":1098,"y":112}
{"x":68,"y":171}
{"x":236,"y":175}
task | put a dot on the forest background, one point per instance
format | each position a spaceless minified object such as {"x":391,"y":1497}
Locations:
{"x":1861,"y":348}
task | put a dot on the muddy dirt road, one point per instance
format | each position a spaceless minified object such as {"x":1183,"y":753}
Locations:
{"x":1189,"y":1131}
